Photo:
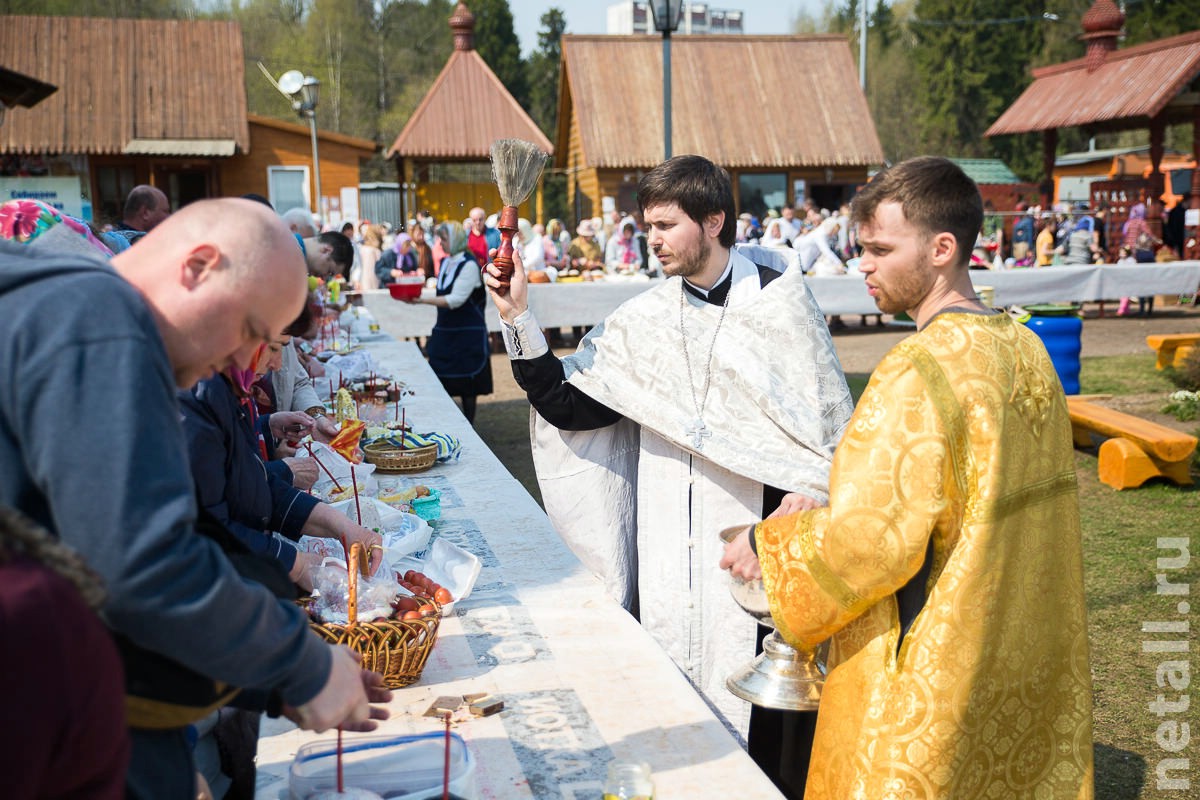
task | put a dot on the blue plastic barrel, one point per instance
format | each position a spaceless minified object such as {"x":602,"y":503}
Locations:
{"x":1060,"y":329}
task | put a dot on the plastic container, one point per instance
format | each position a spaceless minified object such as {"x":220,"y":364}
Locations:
{"x":445,"y":563}
{"x":396,"y":767}
{"x":1060,"y":329}
{"x":406,"y":288}
{"x":428,"y":507}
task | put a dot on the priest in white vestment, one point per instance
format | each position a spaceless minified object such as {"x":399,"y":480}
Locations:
{"x":683,"y":410}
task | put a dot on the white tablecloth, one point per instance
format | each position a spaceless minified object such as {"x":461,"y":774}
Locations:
{"x":569,"y":304}
{"x":582,"y":683}
{"x":846,"y":294}
{"x":556,"y":305}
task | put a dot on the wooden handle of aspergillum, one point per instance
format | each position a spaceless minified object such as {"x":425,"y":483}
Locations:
{"x":503,"y":258}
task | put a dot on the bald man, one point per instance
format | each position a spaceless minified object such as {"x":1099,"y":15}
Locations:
{"x":481,"y":239}
{"x":300,"y":221}
{"x":145,"y":208}
{"x":107,"y":347}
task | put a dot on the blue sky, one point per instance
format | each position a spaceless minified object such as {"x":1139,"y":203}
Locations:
{"x":591,"y":16}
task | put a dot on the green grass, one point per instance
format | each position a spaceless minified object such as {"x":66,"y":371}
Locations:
{"x":1120,"y":533}
{"x":1118,"y":375}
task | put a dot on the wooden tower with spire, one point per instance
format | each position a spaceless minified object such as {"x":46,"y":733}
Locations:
{"x":442,"y":153}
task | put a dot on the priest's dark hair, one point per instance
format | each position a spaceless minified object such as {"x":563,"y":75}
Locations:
{"x":698,"y":186}
{"x":935,"y":195}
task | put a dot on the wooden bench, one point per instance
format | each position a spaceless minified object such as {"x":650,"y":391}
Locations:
{"x":1172,"y":348}
{"x":1137,"y":449}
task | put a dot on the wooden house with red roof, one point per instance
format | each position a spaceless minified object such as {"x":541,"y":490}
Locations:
{"x":442,"y":154}
{"x":1150,"y":85}
{"x":784,"y":114}
{"x":160,"y":102}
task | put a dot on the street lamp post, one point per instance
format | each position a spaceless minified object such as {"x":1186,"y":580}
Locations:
{"x":666,"y":15}
{"x":304,"y":91}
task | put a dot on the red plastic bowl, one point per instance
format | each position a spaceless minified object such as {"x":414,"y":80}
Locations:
{"x":406,"y":291}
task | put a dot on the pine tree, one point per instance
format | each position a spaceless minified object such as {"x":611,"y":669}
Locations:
{"x":496,"y":42}
{"x":1158,"y":19}
{"x":543,"y":71}
{"x":969,"y":60}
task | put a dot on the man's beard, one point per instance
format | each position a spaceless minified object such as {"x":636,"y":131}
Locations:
{"x":691,"y":262}
{"x":906,"y":292}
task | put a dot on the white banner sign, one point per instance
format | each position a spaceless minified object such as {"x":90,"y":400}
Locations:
{"x":61,"y":193}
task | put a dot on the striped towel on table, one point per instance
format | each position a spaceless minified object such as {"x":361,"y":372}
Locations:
{"x":448,"y":448}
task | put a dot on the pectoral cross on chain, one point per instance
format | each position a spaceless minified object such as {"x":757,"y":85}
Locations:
{"x":699,"y":432}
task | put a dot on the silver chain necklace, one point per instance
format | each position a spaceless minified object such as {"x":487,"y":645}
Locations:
{"x":698,"y":430}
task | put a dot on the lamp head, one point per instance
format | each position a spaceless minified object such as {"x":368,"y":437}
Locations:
{"x":303,"y":90}
{"x":310,"y":92}
{"x":666,"y":14}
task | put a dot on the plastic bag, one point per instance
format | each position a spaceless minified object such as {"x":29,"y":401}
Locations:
{"x":402,"y":533}
{"x":332,"y":582}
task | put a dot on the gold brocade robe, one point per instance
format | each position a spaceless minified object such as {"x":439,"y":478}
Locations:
{"x":960,"y":444}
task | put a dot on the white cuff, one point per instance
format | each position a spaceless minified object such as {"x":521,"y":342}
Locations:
{"x":523,"y":339}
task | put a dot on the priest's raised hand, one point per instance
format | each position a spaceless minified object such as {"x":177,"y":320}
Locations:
{"x":511,"y":303}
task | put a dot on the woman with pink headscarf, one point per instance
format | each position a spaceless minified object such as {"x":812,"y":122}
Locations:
{"x":621,"y":254}
{"x":1136,"y":235}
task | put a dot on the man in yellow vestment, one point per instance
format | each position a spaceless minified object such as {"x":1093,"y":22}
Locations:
{"x":947,"y":569}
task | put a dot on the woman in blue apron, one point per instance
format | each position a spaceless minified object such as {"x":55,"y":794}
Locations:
{"x":458,"y":348}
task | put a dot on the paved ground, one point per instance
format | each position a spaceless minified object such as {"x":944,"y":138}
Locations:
{"x":503,"y":417}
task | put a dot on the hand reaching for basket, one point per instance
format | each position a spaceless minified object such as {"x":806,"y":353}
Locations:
{"x":349,"y":697}
{"x":371,"y":541}
{"x":304,"y":472}
{"x":328,"y":523}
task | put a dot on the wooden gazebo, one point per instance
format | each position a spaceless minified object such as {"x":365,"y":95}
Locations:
{"x":1151,"y":85}
{"x":442,"y":154}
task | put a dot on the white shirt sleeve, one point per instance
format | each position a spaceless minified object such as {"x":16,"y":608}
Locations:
{"x":468,"y":280}
{"x":523,"y":339}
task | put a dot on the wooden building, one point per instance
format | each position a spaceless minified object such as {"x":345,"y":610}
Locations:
{"x":278,"y":166}
{"x":1147,"y":86}
{"x":160,"y":102}
{"x":442,"y":154}
{"x":784,"y":114}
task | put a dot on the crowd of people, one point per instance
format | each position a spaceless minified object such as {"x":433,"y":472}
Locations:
{"x":1077,"y":233}
{"x":931,"y":534}
{"x":822,"y":241}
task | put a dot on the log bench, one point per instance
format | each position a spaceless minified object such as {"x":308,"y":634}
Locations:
{"x":1172,"y":348}
{"x":1136,"y":450}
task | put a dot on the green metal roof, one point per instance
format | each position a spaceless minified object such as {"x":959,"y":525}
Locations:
{"x":986,"y":170}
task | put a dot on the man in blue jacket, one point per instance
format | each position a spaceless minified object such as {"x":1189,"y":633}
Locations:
{"x":102,"y":347}
{"x":1023,"y":234}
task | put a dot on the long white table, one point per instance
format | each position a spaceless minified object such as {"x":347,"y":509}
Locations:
{"x":565,"y":305}
{"x":556,"y":305}
{"x":582,"y":683}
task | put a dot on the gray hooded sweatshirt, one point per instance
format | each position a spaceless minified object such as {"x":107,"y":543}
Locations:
{"x":91,"y":447}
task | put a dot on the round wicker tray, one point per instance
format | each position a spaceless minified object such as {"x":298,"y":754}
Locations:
{"x":390,"y":458}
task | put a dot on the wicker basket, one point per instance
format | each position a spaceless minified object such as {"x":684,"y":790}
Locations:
{"x":396,"y":649}
{"x":388,"y":457}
